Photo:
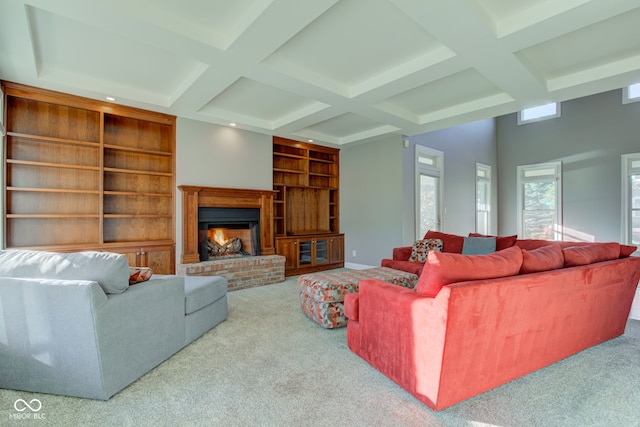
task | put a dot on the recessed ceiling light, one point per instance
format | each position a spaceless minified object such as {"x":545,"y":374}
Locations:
{"x":310,"y":140}
{"x":232,"y":124}
{"x":110,"y":98}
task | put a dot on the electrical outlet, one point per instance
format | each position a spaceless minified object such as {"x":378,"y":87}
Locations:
{"x":353,"y":253}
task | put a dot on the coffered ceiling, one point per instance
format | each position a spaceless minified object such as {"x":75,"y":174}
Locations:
{"x":335,"y":71}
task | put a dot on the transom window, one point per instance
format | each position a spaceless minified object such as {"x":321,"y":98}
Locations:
{"x":536,"y":114}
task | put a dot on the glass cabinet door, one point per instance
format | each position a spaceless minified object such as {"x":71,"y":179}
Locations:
{"x":322,"y":251}
{"x":306,"y":252}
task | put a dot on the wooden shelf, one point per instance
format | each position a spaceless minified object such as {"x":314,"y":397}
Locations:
{"x":81,"y":174}
{"x":52,"y":190}
{"x":50,"y":165}
{"x":54,"y":140}
{"x":138,"y":172}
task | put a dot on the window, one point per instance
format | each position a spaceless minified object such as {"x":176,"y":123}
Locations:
{"x":631,"y":93}
{"x":536,"y":114}
{"x":631,"y":198}
{"x":429,"y":164}
{"x":540,"y":201}
{"x":483,"y":198}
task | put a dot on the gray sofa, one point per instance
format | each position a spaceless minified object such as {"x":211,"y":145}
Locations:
{"x":71,"y":324}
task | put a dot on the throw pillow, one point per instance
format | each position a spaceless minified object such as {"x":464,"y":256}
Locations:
{"x":478,"y":245}
{"x":421,"y":249}
{"x":627,"y":250}
{"x":544,"y":258}
{"x":444,"y":268}
{"x":450,"y":242}
{"x":588,"y":254}
{"x":139,"y":274}
{"x":502,"y":242}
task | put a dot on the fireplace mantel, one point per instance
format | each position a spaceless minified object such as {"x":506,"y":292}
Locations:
{"x":194,"y":197}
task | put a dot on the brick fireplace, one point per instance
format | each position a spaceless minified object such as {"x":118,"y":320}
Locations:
{"x":242,"y":272}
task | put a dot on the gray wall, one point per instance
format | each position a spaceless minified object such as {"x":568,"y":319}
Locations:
{"x":589,"y":139}
{"x":371,"y":199}
{"x":219,"y":156}
{"x":462,"y":146}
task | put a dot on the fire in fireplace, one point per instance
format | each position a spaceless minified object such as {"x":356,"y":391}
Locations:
{"x":228,"y":232}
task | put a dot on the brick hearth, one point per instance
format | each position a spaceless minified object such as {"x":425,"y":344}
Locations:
{"x":242,"y":273}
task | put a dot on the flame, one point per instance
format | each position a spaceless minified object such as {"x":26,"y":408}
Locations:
{"x":219,"y":237}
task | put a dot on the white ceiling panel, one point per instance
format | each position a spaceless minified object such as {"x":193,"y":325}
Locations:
{"x":335,"y":71}
{"x":73,"y":52}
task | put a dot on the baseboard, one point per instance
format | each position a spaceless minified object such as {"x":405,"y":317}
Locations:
{"x":357,"y":266}
{"x":635,"y":306}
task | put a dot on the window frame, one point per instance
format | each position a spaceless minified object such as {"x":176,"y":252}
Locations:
{"x":522,"y":121}
{"x":627,"y":205}
{"x":436,"y":170}
{"x":626,"y":94}
{"x":521,"y":179}
{"x":487,"y":180}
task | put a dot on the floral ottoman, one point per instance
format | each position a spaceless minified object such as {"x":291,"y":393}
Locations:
{"x":322,"y":294}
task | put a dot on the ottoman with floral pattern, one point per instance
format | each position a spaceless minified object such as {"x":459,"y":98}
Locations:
{"x":322,"y":294}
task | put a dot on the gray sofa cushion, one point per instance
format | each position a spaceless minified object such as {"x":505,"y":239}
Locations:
{"x":110,"y":270}
{"x":200,"y":291}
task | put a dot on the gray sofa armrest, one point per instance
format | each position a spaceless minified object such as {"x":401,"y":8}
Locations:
{"x":47,"y":339}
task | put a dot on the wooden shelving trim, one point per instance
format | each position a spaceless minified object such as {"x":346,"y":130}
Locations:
{"x":288,"y":170}
{"x":313,"y":159}
{"x":51,"y":165}
{"x":52,"y":190}
{"x":52,"y":139}
{"x":138,"y":150}
{"x":293,"y":156}
{"x":60,"y":216}
{"x":138,"y":172}
{"x":116,"y":216}
{"x":136,"y":193}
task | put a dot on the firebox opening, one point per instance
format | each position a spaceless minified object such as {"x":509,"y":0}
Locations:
{"x":228,"y":232}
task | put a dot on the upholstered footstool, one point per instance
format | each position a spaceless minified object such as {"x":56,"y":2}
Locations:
{"x":205,"y":304}
{"x":322,"y":294}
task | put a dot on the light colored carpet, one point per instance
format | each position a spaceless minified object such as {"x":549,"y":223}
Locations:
{"x":268,"y":365}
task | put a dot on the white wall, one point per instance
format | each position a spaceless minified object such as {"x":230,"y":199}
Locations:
{"x":219,"y":156}
{"x":371,"y":199}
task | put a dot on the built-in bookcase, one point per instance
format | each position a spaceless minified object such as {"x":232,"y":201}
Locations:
{"x":86,"y":175}
{"x":306,"y":205}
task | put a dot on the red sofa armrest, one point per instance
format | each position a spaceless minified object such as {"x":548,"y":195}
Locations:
{"x":402,"y":253}
{"x":352,"y":306}
{"x":401,"y":334}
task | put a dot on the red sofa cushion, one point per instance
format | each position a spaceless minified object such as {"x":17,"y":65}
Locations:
{"x":408,"y":266}
{"x":588,"y":254}
{"x":444,"y":268}
{"x":502,"y":242}
{"x":450,"y":242}
{"x":544,"y":258}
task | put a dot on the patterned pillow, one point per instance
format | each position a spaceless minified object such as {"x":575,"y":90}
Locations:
{"x":421,"y":249}
{"x":139,"y":274}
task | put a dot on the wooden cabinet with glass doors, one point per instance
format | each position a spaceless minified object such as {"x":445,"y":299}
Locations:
{"x":306,"y":206}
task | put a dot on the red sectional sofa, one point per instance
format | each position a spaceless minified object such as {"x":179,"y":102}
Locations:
{"x":475,"y":322}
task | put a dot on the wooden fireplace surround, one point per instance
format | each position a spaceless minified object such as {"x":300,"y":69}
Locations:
{"x":194,"y":197}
